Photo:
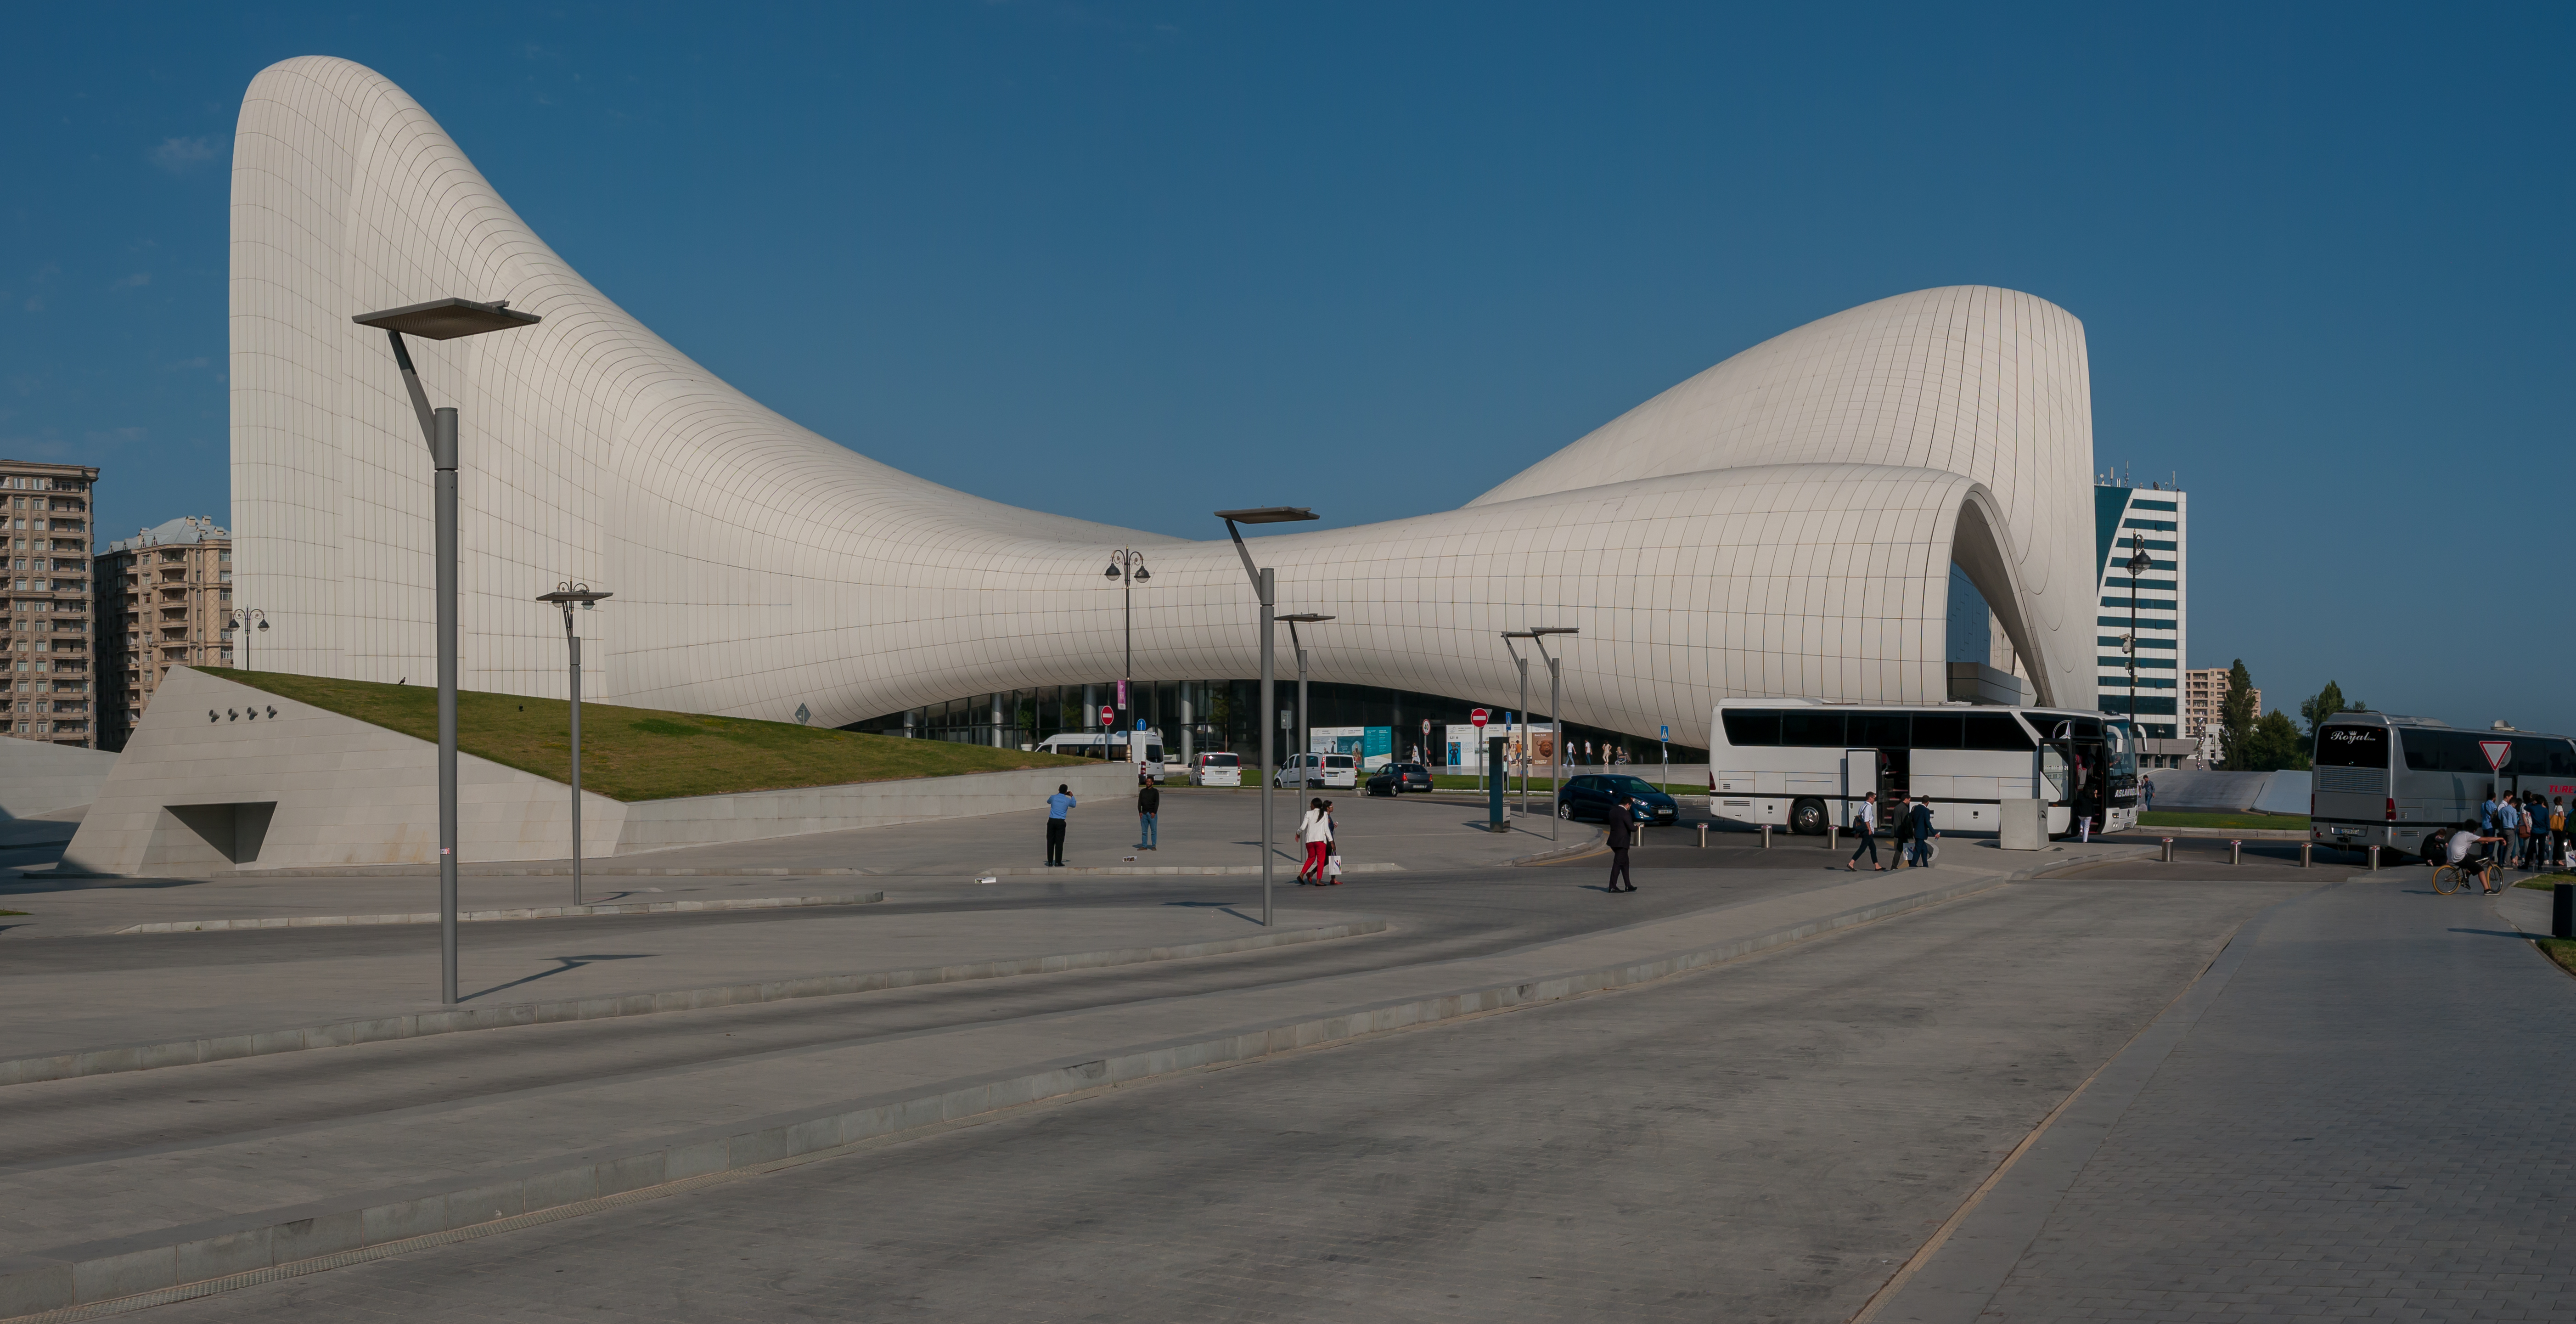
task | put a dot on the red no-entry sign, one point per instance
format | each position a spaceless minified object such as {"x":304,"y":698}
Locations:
{"x":1108,"y":715}
{"x":1477,"y":717}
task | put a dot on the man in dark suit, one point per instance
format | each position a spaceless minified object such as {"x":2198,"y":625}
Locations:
{"x":1623,"y":834}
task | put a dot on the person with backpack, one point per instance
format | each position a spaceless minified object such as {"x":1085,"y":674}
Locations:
{"x":1865,"y":824}
{"x":2557,"y":830}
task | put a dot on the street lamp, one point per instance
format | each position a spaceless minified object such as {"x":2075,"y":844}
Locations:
{"x":241,"y":620}
{"x":1264,"y":585}
{"x":1537,"y":635}
{"x":443,"y":319}
{"x":1127,"y":570}
{"x":564,"y":596}
{"x":1305,"y":738}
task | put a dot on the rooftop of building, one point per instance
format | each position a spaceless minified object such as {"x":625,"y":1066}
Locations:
{"x":86,"y":471}
{"x":174,"y":533}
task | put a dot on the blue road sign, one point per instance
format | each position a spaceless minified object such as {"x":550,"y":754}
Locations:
{"x":1668,"y":733}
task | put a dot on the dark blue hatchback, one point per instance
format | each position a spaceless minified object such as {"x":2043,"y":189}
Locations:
{"x":1598,"y":797}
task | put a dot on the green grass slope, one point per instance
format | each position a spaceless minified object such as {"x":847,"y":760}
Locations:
{"x":644,"y":753}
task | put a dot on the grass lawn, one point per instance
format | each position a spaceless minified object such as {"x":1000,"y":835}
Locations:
{"x":2561,"y":950}
{"x":2546,"y":881}
{"x":645,"y":753}
{"x":2169,"y":818}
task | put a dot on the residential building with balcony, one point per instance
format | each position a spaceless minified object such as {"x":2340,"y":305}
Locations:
{"x":165,"y":599}
{"x":50,"y":686}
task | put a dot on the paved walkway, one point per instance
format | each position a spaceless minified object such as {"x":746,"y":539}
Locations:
{"x":2358,"y":1114}
{"x":1759,"y":1142}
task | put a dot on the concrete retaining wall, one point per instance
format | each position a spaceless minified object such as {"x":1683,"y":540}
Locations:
{"x":219,"y":776}
{"x":37,"y":778}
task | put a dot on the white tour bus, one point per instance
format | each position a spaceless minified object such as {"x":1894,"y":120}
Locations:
{"x":1110,"y":745}
{"x":2389,"y":781}
{"x":1800,"y":763}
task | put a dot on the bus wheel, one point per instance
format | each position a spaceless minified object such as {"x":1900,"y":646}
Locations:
{"x":1807,"y":818}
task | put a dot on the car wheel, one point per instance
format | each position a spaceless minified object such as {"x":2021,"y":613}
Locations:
{"x":1565,"y":811}
{"x":1807,"y":818}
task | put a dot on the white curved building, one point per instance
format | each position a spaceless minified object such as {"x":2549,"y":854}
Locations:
{"x":1781,"y":524}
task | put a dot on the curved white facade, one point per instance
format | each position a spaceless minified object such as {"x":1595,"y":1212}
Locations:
{"x":1783,"y":523}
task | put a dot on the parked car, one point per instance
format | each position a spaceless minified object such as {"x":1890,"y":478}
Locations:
{"x":1328,"y":771}
{"x":1397,"y":778}
{"x":1597,"y":797}
{"x":1218,"y":770}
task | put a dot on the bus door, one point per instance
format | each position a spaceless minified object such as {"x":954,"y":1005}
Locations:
{"x":1864,"y":776}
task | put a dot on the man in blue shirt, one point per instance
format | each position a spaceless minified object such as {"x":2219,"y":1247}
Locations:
{"x":1057,"y":804}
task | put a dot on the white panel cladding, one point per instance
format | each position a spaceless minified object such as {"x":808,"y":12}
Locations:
{"x":1799,"y":544}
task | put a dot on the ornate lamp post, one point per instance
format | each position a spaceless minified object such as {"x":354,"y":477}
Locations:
{"x":1127,"y":570}
{"x":241,"y":620}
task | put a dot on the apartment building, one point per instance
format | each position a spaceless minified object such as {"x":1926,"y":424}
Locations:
{"x":165,"y":598}
{"x":2204,"y":695}
{"x":49,"y":656}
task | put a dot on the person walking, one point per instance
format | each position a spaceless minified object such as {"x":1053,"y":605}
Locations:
{"x":1902,"y":843}
{"x":1315,"y":831}
{"x":1149,"y":806}
{"x":1865,"y":823}
{"x":1623,"y":834}
{"x":1921,"y":817}
{"x":2557,"y":830}
{"x":2146,"y":793}
{"x":1058,"y":805}
{"x":1329,"y":873}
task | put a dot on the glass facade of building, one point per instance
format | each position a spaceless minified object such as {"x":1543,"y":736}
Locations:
{"x":2143,"y":620}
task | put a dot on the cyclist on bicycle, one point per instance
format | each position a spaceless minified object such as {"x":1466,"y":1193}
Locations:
{"x":2465,"y":854}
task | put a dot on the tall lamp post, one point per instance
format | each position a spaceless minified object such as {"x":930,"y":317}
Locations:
{"x":1556,"y":721}
{"x":1523,"y":664}
{"x":242,"y":620}
{"x":564,"y":596}
{"x":1127,"y":568}
{"x":1264,"y":585}
{"x":2138,"y":561}
{"x":1305,"y":738}
{"x":443,"y":319}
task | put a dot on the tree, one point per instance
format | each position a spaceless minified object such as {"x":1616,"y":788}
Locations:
{"x":2271,"y":745}
{"x":2327,"y":703}
{"x":2236,"y":716}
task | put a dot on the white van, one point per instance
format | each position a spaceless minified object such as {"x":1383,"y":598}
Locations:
{"x":1111,"y":746}
{"x":1218,"y":770}
{"x":1329,"y":771}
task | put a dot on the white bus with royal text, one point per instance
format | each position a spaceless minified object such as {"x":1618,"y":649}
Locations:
{"x":1803,"y":764}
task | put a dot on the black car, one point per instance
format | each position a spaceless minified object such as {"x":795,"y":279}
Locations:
{"x":1598,"y":797}
{"x":1397,"y":778}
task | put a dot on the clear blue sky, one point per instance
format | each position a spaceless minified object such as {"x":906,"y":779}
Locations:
{"x":1141,"y":261}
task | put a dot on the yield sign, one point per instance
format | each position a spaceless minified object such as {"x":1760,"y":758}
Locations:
{"x":2497,"y":752}
{"x":1477,"y":717}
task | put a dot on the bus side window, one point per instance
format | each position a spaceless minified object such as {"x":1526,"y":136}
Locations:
{"x":1936,"y":731}
{"x":1812,"y":730}
{"x":1752,"y":728}
{"x":1879,"y":731}
{"x":1992,"y":731}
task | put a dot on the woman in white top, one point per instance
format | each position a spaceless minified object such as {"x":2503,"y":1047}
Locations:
{"x":1865,"y":822}
{"x":1316,"y":830}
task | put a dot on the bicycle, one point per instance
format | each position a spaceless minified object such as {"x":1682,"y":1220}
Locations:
{"x":2447,"y":878}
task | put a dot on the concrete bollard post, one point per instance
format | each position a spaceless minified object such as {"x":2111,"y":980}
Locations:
{"x":1766,"y":836}
{"x":2305,"y":847}
{"x":2562,"y":910}
{"x":1833,"y":834}
{"x":2374,"y":859}
{"x":2236,"y":852}
{"x":1703,"y":836}
{"x":2168,"y":857}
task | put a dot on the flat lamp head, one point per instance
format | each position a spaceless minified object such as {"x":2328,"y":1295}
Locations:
{"x":447,"y":319}
{"x":1304,"y":618}
{"x":1268,"y":515}
{"x":584,"y":596}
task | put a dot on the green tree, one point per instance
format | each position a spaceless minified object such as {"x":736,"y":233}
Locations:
{"x":2327,"y":703}
{"x":2236,"y":717}
{"x":2270,"y":745}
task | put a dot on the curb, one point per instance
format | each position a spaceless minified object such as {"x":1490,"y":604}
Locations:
{"x":1225,"y":869}
{"x":519,"y":912}
{"x":471,"y":871}
{"x":2226,"y":834}
{"x":343,"y":1034}
{"x":159,"y":1261}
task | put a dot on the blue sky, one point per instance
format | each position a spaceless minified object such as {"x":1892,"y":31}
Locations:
{"x":1137,"y":262}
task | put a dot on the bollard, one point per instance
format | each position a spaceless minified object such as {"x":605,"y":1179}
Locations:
{"x":1703,"y":836}
{"x":2304,"y":848}
{"x":2168,"y":859}
{"x":2374,"y":859}
{"x":1832,"y":832}
{"x":2562,"y":910}
{"x":2236,"y":852}
{"x":1766,"y":836}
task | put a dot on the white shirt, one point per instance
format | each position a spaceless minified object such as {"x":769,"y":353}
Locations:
{"x":1316,"y":826}
{"x":1868,"y":814}
{"x":2462,"y":842}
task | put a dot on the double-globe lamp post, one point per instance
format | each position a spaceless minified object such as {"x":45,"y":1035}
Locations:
{"x":249,"y":618}
{"x":443,"y":319}
{"x":1127,"y":570}
{"x":564,"y":596}
{"x":1264,"y":586}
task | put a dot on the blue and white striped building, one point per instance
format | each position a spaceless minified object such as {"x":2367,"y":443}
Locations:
{"x":2125,"y":519}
